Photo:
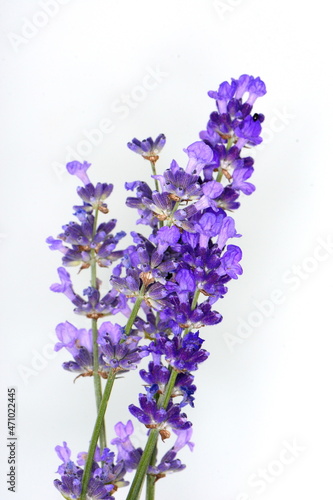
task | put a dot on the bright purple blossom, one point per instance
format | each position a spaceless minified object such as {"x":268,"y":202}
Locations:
{"x":200,"y":155}
{"x":147,"y":147}
{"x":119,"y":351}
{"x":183,"y":353}
{"x":156,"y":374}
{"x":93,"y":196}
{"x":248,"y":132}
{"x":230,"y":262}
{"x":86,"y":244}
{"x":256,"y":88}
{"x":126,"y":451}
{"x":228,"y":230}
{"x":239,"y":179}
{"x":211,"y":190}
{"x":80,"y":170}
{"x":152,"y":416}
{"x":181,"y":185}
{"x":95,"y":306}
{"x":105,"y":478}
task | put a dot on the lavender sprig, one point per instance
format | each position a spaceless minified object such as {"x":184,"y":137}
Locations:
{"x":199,"y":195}
{"x":166,"y":284}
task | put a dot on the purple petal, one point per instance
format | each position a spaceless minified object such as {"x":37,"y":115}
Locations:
{"x":79,"y":169}
{"x":200,"y":154}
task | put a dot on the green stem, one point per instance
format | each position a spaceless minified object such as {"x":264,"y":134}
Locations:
{"x":97,"y":381}
{"x":96,"y":432}
{"x":150,"y":448}
{"x":99,"y":429}
{"x":153,"y":168}
{"x":195,"y":299}
{"x":141,"y":471}
{"x":136,"y":486}
{"x":165,"y":398}
{"x":220,"y":173}
{"x":176,"y":205}
{"x":135,"y":310}
{"x":150,"y":487}
{"x":97,"y":378}
{"x":151,"y":480}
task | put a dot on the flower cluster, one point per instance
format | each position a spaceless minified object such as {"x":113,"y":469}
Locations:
{"x":117,"y":351}
{"x":82,"y":243}
{"x":182,"y":269}
{"x":108,"y":471}
{"x":166,"y":284}
{"x":88,"y":244}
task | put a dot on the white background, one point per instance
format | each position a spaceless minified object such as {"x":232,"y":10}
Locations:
{"x":63,"y":73}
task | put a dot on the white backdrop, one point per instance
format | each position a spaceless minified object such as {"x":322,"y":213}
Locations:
{"x":263,"y":416}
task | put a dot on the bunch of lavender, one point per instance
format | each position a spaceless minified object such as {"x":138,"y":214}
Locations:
{"x":165,"y":285}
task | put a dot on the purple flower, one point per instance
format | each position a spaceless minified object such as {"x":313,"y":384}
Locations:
{"x":230,"y":262}
{"x":184,"y":388}
{"x":148,"y":148}
{"x":183,"y":439}
{"x":88,"y":244}
{"x":70,"y":485}
{"x":80,"y":170}
{"x":156,"y":374}
{"x":79,"y":343}
{"x":248,"y":132}
{"x":119,"y":351}
{"x":143,"y":192}
{"x":227,"y":200}
{"x":152,"y":416}
{"x":179,"y":184}
{"x":166,"y":236}
{"x":178,"y":273}
{"x":256,"y":88}
{"x":239,"y":178}
{"x":130,"y":285}
{"x":95,"y":307}
{"x":93,"y":196}
{"x":66,"y":287}
{"x":211,"y":190}
{"x":223,"y":95}
{"x":227,"y":231}
{"x":200,"y":155}
{"x":168,"y":463}
{"x":56,"y":245}
{"x":122,"y":441}
{"x":64,"y":453}
{"x":184,"y":285}
{"x":126,"y":451}
{"x":183,"y":353}
{"x":71,"y":338}
{"x":209,"y":225}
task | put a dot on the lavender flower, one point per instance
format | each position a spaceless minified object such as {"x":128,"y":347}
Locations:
{"x":107,"y":477}
{"x":168,"y":463}
{"x":183,"y":353}
{"x":148,"y":148}
{"x":80,"y":170}
{"x":155,"y":417}
{"x":126,"y":451}
{"x":119,"y":351}
{"x":165,"y":284}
